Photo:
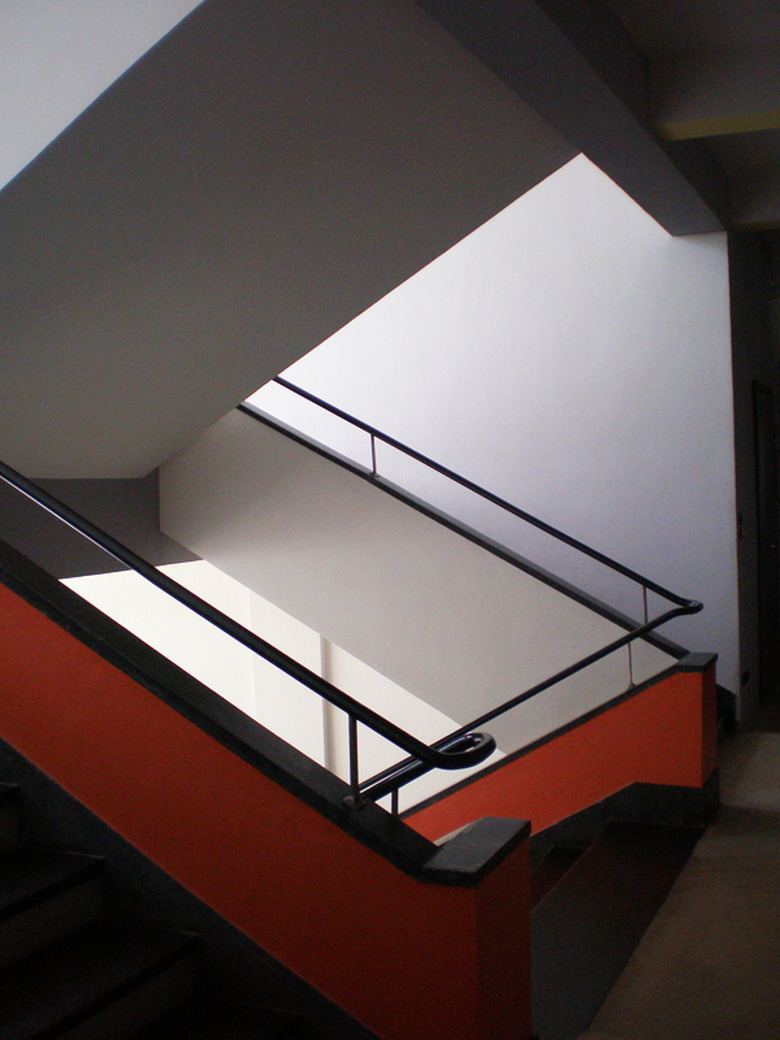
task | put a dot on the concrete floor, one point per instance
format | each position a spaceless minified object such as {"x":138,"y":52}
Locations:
{"x":708,"y":968}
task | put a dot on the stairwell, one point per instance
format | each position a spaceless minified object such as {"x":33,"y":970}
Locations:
{"x":461,"y":621}
{"x":604,"y":958}
{"x":261,"y":838}
{"x":71,"y":968}
{"x":98,"y":976}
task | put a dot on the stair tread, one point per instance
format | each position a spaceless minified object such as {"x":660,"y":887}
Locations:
{"x":9,"y":793}
{"x":28,"y":876}
{"x":209,"y":1020}
{"x":587,"y":926}
{"x":84,"y":972}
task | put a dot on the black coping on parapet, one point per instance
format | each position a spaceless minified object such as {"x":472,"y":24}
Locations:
{"x":371,"y":825}
{"x":604,"y":610}
{"x":696,"y":662}
{"x":477,"y":849}
{"x":690,"y":663}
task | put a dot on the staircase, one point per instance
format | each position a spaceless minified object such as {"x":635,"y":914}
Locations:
{"x":67,"y":969}
{"x":449,"y":919}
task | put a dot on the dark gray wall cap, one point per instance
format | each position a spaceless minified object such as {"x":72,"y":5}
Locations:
{"x":696,"y":662}
{"x":476,"y":850}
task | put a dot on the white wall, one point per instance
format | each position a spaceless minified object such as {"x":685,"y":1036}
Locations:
{"x":321,"y":730}
{"x":431,"y":611}
{"x":208,"y":654}
{"x":574,"y":358}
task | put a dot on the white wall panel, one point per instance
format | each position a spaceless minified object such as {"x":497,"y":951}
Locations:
{"x":441,"y":617}
{"x":573,"y":357}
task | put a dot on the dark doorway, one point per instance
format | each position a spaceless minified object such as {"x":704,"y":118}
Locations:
{"x":766,"y":521}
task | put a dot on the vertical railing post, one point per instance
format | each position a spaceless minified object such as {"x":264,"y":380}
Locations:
{"x":644,"y":601}
{"x":355,"y":800}
{"x":629,"y":647}
{"x":373,"y":455}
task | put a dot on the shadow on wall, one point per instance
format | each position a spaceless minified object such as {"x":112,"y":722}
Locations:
{"x":126,"y":509}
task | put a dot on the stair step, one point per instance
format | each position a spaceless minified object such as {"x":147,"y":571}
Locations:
{"x":103,"y":981}
{"x":587,"y":926}
{"x":44,"y":896}
{"x":9,"y":805}
{"x":218,"y":1021}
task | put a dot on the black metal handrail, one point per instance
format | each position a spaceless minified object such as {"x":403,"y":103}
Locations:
{"x":488,"y":496}
{"x":462,"y":752}
{"x":395,"y":776}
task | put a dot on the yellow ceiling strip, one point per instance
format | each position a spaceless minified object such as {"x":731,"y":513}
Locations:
{"x":717,"y":126}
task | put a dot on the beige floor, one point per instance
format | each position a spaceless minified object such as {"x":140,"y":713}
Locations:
{"x":708,"y":967}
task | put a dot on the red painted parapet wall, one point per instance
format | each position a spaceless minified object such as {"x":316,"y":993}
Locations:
{"x":407,"y":958}
{"x":664,"y":734}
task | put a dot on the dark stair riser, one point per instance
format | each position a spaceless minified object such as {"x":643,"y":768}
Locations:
{"x":227,"y":1022}
{"x":102,"y":980}
{"x":43,"y":897}
{"x":231,"y":969}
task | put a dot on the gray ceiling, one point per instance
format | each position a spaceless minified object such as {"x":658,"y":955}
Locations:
{"x":677,"y":100}
{"x":663,"y":27}
{"x":270,"y":170}
{"x":259,"y":178}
